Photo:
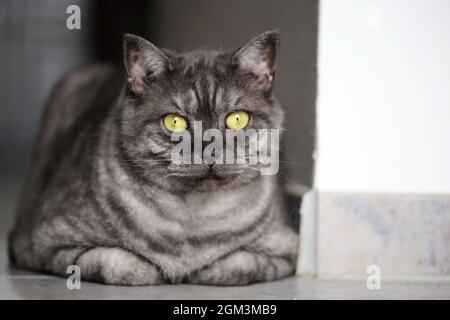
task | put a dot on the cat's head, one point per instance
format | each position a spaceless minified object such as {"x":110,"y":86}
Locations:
{"x":167,"y":91}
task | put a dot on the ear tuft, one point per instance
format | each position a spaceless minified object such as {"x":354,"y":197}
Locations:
{"x":143,"y":62}
{"x":258,"y":57}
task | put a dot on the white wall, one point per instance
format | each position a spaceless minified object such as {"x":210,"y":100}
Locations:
{"x":384,"y":96}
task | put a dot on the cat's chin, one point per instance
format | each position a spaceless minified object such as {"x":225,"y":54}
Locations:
{"x":200,"y":185}
{"x":205,"y":184}
{"x":210,"y":184}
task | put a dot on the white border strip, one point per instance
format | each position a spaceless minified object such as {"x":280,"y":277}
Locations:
{"x":307,"y":257}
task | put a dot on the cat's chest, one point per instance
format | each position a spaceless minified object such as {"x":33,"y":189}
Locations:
{"x":181,"y":234}
{"x":200,"y":243}
{"x":213,"y":225}
{"x":213,"y":214}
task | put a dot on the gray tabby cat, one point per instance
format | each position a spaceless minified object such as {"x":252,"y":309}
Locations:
{"x":104,"y":195}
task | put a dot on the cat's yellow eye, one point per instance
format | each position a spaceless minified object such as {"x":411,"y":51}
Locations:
{"x":237,"y":120}
{"x":175,"y":122}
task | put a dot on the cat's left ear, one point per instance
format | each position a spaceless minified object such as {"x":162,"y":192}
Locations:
{"x":258,"y":57}
{"x":143,"y":61}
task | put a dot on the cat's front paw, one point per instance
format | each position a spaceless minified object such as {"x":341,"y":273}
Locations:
{"x":241,"y":268}
{"x":119,"y":267}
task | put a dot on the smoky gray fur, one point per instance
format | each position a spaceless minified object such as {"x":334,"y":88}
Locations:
{"x":103,"y":195}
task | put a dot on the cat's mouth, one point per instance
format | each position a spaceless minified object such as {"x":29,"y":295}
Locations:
{"x":205,"y":177}
{"x":205,"y":171}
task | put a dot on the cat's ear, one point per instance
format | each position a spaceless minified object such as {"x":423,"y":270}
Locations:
{"x":258,"y":57}
{"x":143,"y":61}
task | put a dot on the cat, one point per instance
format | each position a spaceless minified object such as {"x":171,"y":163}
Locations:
{"x":103,"y":194}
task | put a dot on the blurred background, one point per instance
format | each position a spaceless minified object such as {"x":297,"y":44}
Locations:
{"x":366,"y":89}
{"x":37,"y":49}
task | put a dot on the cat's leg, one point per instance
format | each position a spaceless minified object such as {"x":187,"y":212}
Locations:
{"x":243,"y":267}
{"x":117,"y":266}
{"x":270,"y":257}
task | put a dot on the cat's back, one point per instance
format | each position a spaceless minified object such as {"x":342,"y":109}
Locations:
{"x":78,"y":101}
{"x":81,"y":99}
{"x":80,"y":96}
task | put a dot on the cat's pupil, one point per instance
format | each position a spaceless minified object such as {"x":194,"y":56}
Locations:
{"x":237,"y":118}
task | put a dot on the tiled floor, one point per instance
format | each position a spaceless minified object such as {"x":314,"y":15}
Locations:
{"x":15,"y":284}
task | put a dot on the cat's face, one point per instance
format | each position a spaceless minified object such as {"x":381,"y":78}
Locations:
{"x":200,"y":86}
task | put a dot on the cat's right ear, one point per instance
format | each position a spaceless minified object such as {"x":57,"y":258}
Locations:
{"x":143,"y":61}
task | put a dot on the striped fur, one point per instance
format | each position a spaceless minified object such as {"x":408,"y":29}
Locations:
{"x":103,"y":195}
